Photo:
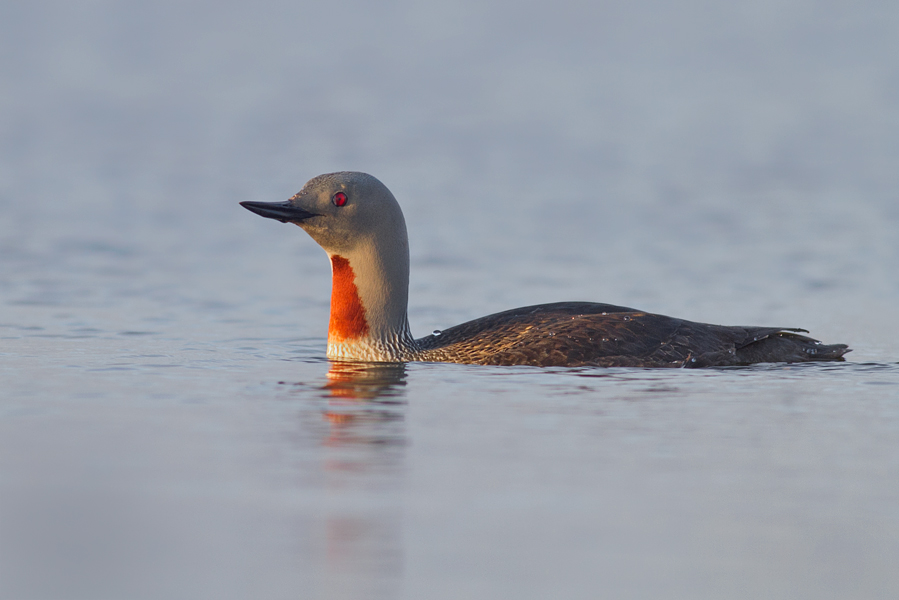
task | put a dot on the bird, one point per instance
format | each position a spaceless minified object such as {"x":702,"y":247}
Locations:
{"x":358,"y":222}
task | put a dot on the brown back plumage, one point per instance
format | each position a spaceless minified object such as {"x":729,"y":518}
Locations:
{"x":586,"y":333}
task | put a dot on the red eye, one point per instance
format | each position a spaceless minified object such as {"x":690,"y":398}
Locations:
{"x":339,"y":199}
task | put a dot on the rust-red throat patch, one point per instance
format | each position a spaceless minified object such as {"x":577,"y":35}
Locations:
{"x":347,"y":313}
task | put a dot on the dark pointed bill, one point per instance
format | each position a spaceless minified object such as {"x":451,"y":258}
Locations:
{"x":282,"y":211}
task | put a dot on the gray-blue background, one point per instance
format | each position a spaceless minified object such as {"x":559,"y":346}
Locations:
{"x":718,"y":162}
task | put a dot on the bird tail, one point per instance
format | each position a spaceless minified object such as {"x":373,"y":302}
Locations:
{"x":785,"y":346}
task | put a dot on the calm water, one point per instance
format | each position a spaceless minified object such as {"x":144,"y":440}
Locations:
{"x":169,"y":427}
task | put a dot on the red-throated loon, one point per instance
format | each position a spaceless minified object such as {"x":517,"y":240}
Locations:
{"x":358,"y":222}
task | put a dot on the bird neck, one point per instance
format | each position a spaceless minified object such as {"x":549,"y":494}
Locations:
{"x":369,"y":297}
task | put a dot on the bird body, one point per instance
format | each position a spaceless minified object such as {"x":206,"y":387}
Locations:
{"x":359,"y":223}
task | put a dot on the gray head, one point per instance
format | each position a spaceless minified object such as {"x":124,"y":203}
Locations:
{"x":341,"y":211}
{"x":358,"y":222}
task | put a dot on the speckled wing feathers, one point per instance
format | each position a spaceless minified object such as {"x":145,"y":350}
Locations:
{"x":584,"y":333}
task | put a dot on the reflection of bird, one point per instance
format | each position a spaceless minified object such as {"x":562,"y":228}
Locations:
{"x":365,"y":380}
{"x":357,"y":221}
{"x":365,"y":405}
